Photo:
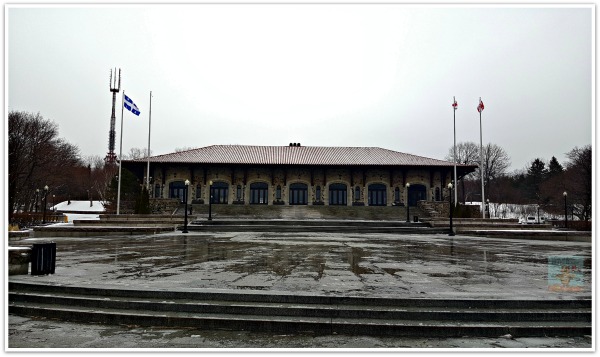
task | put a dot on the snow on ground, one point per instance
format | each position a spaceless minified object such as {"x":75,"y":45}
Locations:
{"x":81,"y":209}
{"x":79,"y":206}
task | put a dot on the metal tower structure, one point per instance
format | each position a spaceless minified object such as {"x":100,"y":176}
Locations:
{"x":115,"y":87}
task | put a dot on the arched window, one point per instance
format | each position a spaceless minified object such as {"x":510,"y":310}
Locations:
{"x":219,"y":191}
{"x":238,"y":194}
{"x":377,"y":194}
{"x":258,"y":193}
{"x":397,"y":195}
{"x":318,"y":194}
{"x":338,"y":194}
{"x":176,"y":190}
{"x":298,"y":194}
{"x":357,"y":193}
{"x":278,"y":193}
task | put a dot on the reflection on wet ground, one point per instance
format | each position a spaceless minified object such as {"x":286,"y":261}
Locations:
{"x":319,"y":263}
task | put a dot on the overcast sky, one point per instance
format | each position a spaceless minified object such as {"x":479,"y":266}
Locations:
{"x":321,"y":75}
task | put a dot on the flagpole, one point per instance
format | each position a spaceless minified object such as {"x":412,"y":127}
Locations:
{"x":120,"y":156}
{"x":149,"y":126}
{"x":481,"y":161}
{"x":456,"y":190}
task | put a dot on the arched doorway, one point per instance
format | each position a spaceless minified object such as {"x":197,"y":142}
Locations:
{"x":177,"y":190}
{"x":377,"y":194}
{"x":298,"y":194}
{"x":219,"y":192}
{"x":416,"y":192}
{"x":338,"y":194}
{"x":258,"y":193}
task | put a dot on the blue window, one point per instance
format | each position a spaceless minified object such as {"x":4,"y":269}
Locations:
{"x":338,"y":194}
{"x":259,"y":193}
{"x":377,"y":195}
{"x":219,"y":191}
{"x":298,"y":194}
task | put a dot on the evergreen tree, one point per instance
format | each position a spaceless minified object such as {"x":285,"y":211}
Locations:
{"x":536,"y":174}
{"x":554,"y":167}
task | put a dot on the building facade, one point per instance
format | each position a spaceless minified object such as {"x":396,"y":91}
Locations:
{"x":297,"y":175}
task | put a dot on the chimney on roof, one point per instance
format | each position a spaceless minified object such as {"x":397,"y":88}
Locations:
{"x":295,"y":144}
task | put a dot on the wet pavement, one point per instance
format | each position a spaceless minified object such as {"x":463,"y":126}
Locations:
{"x":379,"y":265}
{"x":386,"y":265}
{"x":35,"y":334}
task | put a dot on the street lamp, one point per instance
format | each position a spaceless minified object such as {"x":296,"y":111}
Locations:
{"x":407,"y":204}
{"x":488,"y":208}
{"x":45,"y":203}
{"x":565,"y":194}
{"x":210,"y":200}
{"x":185,"y":222}
{"x":53,"y":205}
{"x":451,"y":209}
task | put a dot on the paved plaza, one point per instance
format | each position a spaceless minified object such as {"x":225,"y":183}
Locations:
{"x":386,"y":265}
{"x":367,"y":265}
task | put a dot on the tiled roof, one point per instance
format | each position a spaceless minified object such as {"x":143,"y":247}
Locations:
{"x":296,"y":155}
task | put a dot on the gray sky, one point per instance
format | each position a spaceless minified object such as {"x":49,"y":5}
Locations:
{"x":321,"y":75}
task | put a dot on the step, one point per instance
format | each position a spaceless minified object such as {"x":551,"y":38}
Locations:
{"x":324,"y":229}
{"x":302,"y":298}
{"x":291,"y":222}
{"x":317,"y":325}
{"x":302,"y":313}
{"x":303,"y":310}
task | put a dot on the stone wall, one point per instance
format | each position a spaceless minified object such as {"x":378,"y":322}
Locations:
{"x":316,"y":179}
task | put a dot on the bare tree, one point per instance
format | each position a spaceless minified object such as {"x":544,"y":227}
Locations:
{"x":578,"y":181}
{"x":36,"y":158}
{"x":136,"y":154}
{"x":495,"y":163}
{"x":466,"y":153}
{"x":187,"y":148}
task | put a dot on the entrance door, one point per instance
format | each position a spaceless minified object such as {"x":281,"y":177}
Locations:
{"x":377,"y":195}
{"x":298,"y":194}
{"x":219,"y":192}
{"x":416,"y":193}
{"x":338,"y":194}
{"x":258,"y":193}
{"x":177,"y":190}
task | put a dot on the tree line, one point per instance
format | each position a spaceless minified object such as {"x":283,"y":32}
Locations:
{"x":39,"y":158}
{"x":542,"y":183}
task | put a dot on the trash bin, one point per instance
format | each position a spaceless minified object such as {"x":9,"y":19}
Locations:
{"x":415,"y":218}
{"x":43,"y":258}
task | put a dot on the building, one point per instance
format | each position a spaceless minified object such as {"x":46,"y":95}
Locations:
{"x":298,"y":175}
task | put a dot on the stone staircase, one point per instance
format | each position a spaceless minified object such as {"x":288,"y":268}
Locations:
{"x":303,"y":313}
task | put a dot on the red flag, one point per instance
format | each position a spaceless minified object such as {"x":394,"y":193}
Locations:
{"x":455,"y":105}
{"x":480,"y":106}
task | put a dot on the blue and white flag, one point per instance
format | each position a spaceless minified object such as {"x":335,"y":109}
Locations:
{"x":130,"y":105}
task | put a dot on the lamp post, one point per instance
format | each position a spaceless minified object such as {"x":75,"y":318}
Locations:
{"x":185,"y":221}
{"x":45,"y":203}
{"x":210,"y":200}
{"x":53,"y":205}
{"x":451,"y":209}
{"x":407,"y":204}
{"x":565,"y":194}
{"x":488,"y":208}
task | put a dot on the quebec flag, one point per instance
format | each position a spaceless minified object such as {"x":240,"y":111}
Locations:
{"x":130,"y":105}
